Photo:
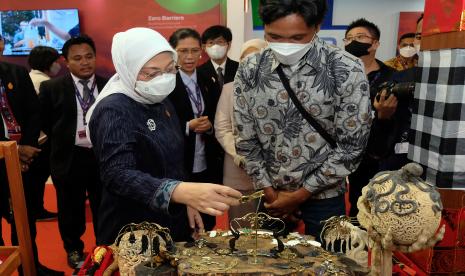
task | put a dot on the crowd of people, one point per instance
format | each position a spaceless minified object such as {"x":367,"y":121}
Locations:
{"x":170,"y":141}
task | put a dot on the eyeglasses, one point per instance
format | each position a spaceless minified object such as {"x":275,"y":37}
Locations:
{"x":192,"y":51}
{"x":359,"y":38}
{"x":418,"y":36}
{"x":173,"y":69}
{"x":219,"y":41}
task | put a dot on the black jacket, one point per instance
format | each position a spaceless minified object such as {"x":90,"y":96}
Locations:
{"x":210,"y":75}
{"x":59,"y":114}
{"x":181,"y":102}
{"x":26,"y":109}
{"x":23,"y":102}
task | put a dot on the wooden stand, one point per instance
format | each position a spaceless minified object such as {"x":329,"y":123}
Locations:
{"x":22,"y":254}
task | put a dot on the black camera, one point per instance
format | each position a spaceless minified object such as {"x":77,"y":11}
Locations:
{"x":402,"y":91}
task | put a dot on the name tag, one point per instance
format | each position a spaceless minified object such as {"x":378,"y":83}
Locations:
{"x":401,"y":148}
{"x":82,"y":134}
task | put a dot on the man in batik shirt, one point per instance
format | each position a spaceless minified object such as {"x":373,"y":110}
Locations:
{"x":297,"y":168}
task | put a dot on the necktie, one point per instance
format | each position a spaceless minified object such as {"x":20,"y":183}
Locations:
{"x":219,"y":72}
{"x":85,"y":91}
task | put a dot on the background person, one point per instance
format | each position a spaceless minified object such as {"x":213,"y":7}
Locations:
{"x":233,"y":175}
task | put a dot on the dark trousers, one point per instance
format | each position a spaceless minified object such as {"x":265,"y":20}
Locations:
{"x":208,"y":221}
{"x":314,"y":211}
{"x":29,"y":198}
{"x":82,"y":181}
{"x":359,"y":179}
{"x":38,"y":173}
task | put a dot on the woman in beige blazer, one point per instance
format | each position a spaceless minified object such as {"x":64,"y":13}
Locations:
{"x":233,"y":176}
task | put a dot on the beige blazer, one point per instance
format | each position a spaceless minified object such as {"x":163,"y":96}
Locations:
{"x":233,"y":176}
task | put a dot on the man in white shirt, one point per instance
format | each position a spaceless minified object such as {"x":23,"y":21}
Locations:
{"x":74,"y":169}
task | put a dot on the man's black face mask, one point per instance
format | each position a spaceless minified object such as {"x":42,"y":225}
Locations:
{"x":358,"y":49}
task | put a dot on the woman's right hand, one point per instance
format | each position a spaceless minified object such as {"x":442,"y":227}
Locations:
{"x":212,"y":199}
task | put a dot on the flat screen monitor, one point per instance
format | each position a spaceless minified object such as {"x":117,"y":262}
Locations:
{"x":22,"y":30}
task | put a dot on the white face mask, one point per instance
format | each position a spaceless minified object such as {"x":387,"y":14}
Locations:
{"x":290,"y":53}
{"x":216,"y":51}
{"x":417,"y":48}
{"x":55,"y":68}
{"x":407,"y":51}
{"x":157,"y":89}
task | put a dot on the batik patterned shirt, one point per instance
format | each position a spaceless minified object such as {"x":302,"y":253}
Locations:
{"x":278,"y":146}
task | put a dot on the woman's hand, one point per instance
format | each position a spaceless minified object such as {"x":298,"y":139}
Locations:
{"x":207,"y":198}
{"x":200,"y":125}
{"x":195,"y":220}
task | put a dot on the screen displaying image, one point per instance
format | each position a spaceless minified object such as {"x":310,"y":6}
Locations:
{"x":23,"y":30}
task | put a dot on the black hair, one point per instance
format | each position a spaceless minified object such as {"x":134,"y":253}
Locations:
{"x":420,"y":18}
{"x":81,"y":39}
{"x":182,"y":34}
{"x":312,"y":11}
{"x":407,"y":35}
{"x":215,"y":32}
{"x":42,"y":57}
{"x":362,"y":22}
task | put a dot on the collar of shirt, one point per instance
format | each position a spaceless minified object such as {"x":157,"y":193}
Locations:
{"x":39,"y":73}
{"x":222,"y":65}
{"x":79,"y":85}
{"x":186,"y":79}
{"x":304,"y":60}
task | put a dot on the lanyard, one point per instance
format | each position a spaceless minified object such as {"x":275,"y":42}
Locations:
{"x":85,"y":105}
{"x":197,"y":99}
{"x":14,"y":129}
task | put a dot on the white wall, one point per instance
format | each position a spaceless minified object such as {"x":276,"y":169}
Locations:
{"x":384,"y":13}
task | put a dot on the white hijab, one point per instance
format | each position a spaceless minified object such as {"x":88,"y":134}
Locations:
{"x":130,"y":50}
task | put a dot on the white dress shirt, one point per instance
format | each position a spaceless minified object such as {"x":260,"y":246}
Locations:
{"x":80,"y":127}
{"x":37,"y":78}
{"x":200,"y":160}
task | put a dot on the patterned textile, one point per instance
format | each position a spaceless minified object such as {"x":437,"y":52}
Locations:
{"x":278,"y":145}
{"x":400,"y":63}
{"x":438,"y":123}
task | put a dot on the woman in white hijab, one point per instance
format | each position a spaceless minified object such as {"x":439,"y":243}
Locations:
{"x":139,"y":146}
{"x":233,"y":176}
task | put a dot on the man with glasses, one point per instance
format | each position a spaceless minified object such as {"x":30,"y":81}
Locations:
{"x":216,"y":41}
{"x":362,"y":40}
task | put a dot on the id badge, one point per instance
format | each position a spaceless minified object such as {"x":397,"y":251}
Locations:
{"x":82,"y":134}
{"x":401,"y":148}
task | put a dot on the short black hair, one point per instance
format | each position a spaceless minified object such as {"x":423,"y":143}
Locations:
{"x":362,"y":22}
{"x":312,"y":11}
{"x":182,"y":34}
{"x":215,"y":32}
{"x":42,"y":57}
{"x":407,"y":35}
{"x":80,"y":39}
{"x":420,"y":18}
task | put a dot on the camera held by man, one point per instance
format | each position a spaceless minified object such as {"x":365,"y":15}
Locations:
{"x":402,"y":91}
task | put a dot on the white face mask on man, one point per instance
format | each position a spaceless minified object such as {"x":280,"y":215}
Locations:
{"x":216,"y":51}
{"x":407,"y":51}
{"x":158,"y":88}
{"x":290,"y":53}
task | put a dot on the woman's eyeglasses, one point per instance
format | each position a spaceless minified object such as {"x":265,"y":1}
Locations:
{"x":156,"y":73}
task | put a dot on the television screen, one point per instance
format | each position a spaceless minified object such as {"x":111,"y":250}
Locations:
{"x":23,"y":30}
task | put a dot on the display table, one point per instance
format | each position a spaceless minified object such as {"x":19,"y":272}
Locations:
{"x":298,"y":259}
